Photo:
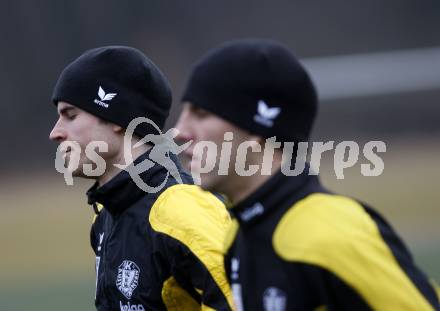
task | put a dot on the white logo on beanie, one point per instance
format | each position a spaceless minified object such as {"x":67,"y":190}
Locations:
{"x":104,"y":97}
{"x":265,"y":115}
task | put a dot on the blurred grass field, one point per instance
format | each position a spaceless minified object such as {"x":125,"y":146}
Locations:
{"x":47,"y":264}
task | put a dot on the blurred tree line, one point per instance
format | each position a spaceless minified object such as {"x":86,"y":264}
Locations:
{"x":40,"y":37}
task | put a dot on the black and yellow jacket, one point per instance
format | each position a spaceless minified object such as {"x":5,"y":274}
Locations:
{"x":295,"y":246}
{"x":158,"y":251}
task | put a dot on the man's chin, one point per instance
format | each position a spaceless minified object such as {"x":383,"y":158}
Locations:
{"x":207,"y":182}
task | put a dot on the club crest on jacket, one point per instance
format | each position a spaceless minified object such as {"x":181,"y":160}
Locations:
{"x":274,"y":299}
{"x":128,"y":278}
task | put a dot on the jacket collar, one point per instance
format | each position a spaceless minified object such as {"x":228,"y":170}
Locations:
{"x":121,"y":191}
{"x":278,"y":190}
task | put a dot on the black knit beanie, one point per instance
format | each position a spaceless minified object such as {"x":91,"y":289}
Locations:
{"x":259,"y":86}
{"x":116,"y":84}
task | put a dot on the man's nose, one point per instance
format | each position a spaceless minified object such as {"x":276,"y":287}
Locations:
{"x":57,"y":134}
{"x":184,"y":132}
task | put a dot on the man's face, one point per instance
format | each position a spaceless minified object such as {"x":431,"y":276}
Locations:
{"x":199,"y":125}
{"x":78,"y":125}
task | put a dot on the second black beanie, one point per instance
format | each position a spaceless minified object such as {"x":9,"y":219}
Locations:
{"x":259,"y":86}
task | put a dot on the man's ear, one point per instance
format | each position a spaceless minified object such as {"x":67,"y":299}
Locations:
{"x":117,"y":129}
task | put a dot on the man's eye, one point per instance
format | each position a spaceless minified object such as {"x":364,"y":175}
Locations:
{"x":71,"y":116}
{"x":200,"y":113}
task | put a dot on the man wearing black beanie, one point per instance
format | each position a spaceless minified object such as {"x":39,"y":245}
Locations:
{"x":293,"y":245}
{"x":156,"y":236}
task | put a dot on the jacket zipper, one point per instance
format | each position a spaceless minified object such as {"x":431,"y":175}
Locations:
{"x":107,"y":293}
